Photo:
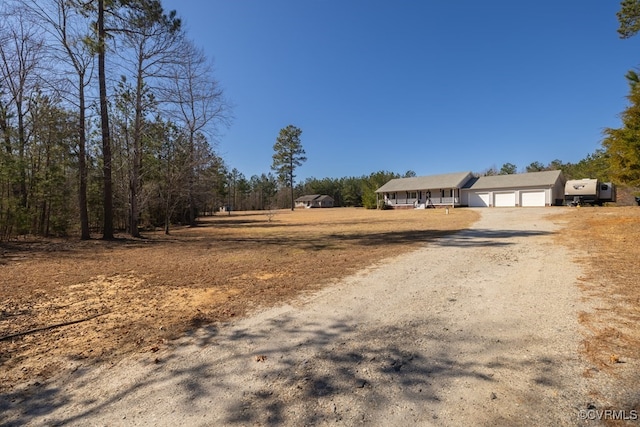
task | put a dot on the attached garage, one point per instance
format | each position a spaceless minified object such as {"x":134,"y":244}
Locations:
{"x":479,"y":200}
{"x":532,"y":198}
{"x":505,"y":199}
{"x":526,"y":189}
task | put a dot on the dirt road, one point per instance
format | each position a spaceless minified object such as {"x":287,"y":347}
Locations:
{"x":479,"y":328}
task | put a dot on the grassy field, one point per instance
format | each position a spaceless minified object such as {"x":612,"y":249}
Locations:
{"x":67,"y":302}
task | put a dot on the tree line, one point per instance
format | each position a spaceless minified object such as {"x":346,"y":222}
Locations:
{"x":594,"y":165}
{"x":108,"y":114}
{"x":268,"y":191}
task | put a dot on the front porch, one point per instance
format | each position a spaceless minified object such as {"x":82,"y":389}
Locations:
{"x":422,"y":203}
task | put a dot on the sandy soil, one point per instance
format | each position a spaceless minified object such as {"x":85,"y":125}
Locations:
{"x":478,"y":328}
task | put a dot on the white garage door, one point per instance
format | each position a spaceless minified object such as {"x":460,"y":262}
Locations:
{"x":478,"y":200}
{"x":532,"y":198}
{"x":505,"y":199}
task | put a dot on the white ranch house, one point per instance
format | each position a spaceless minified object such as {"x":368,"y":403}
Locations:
{"x":464,"y":189}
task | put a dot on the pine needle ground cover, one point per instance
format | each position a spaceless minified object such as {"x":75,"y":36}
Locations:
{"x":607,"y":243}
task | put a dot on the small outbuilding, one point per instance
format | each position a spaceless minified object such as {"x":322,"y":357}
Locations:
{"x":314,"y":201}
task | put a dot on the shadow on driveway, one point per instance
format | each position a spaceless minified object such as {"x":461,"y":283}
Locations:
{"x":341,"y":373}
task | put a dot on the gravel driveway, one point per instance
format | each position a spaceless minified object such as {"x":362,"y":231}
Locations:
{"x":479,"y":328}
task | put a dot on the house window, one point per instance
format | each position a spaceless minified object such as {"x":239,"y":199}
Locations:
{"x":392,"y":196}
{"x":412,"y":194}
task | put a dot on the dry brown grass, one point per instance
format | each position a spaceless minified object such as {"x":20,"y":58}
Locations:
{"x":610,"y":239}
{"x":608,"y":243}
{"x":134,"y":295}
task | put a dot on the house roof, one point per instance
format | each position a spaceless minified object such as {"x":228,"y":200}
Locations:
{"x":530,"y":179}
{"x":448,"y":180}
{"x":307,"y":198}
{"x":314,"y":197}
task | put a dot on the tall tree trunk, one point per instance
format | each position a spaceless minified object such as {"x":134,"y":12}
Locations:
{"x":291,"y":184}
{"x":167,"y":218}
{"x":4,"y":127}
{"x":292,"y":202}
{"x":22,"y":143}
{"x":192,"y":199}
{"x":107,"y":232}
{"x":168,"y":200}
{"x":82,"y":165}
{"x":137,"y":156}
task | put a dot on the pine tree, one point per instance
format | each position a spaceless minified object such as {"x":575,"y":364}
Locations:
{"x":623,"y":145}
{"x":288,"y":155}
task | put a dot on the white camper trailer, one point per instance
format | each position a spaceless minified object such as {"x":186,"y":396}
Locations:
{"x":588,"y":191}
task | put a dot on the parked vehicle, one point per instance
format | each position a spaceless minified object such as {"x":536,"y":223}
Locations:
{"x":589,"y":191}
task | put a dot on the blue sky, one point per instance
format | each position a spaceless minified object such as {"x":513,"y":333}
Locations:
{"x":432,"y":86}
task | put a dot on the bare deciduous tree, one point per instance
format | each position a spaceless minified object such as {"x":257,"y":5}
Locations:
{"x":196,"y":102}
{"x":21,"y":53}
